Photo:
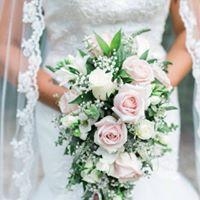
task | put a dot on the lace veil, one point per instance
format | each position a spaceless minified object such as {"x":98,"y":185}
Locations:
{"x":22,"y":25}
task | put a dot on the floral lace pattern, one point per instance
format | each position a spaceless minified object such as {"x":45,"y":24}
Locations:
{"x":67,"y":24}
{"x":23,"y":146}
{"x":193,"y":45}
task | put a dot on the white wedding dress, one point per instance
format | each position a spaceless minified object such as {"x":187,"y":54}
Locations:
{"x":67,"y":22}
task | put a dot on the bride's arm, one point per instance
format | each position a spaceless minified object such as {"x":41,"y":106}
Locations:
{"x":47,"y":88}
{"x":178,"y":53}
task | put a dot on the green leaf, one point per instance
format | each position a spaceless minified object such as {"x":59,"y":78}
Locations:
{"x":83,"y":98}
{"x":103,"y":45}
{"x":121,"y":56}
{"x":52,"y":69}
{"x":73,"y":70}
{"x":125,"y":76}
{"x":151,"y":61}
{"x":144,"y":55}
{"x":116,"y":41}
{"x":92,"y":112}
{"x":166,"y":62}
{"x":82,"y":53}
{"x":89,"y":65}
{"x":168,"y":108}
{"x":140,"y":32}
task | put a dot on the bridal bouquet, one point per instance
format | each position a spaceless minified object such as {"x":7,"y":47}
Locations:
{"x":113,"y":114}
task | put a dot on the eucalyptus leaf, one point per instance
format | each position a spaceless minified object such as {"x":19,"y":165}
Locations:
{"x":140,"y":32}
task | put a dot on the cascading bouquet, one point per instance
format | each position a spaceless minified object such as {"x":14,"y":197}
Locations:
{"x":113,"y":114}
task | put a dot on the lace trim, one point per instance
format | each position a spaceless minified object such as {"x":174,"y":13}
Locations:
{"x":193,"y":46}
{"x":27,"y":85}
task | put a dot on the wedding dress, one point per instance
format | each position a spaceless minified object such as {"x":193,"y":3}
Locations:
{"x":67,"y":22}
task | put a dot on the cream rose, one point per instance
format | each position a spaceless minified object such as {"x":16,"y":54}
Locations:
{"x":64,"y":104}
{"x":111,"y":134}
{"x":101,"y":83}
{"x":139,"y":70}
{"x":162,"y":77}
{"x":126,"y":167}
{"x":145,"y":129}
{"x":130,"y":103}
{"x":68,"y":120}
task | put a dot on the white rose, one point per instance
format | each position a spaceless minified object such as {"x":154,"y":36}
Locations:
{"x":117,"y":197}
{"x":163,"y":139}
{"x":101,"y":83}
{"x":142,"y":44}
{"x":145,"y":129}
{"x":154,"y":100}
{"x":78,"y":62}
{"x":90,"y":176}
{"x":161,"y":76}
{"x":68,"y":120}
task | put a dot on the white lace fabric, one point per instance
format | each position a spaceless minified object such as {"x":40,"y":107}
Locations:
{"x":67,"y":23}
{"x":191,"y":19}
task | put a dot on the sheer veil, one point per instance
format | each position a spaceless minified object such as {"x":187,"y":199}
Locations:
{"x":22,"y":25}
{"x":190,"y":12}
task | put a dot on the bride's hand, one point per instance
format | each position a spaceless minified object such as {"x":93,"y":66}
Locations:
{"x":11,"y":59}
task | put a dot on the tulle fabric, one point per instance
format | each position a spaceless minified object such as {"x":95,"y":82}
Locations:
{"x":18,"y":96}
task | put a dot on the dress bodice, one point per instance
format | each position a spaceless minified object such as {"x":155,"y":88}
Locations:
{"x":69,"y":21}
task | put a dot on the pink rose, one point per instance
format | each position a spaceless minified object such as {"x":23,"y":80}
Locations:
{"x":111,"y":134}
{"x":162,"y":77}
{"x":130,"y":102}
{"x":64,"y":105}
{"x":138,"y":69}
{"x":126,"y":167}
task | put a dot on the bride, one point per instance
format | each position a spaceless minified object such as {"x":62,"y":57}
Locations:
{"x":66,"y":23}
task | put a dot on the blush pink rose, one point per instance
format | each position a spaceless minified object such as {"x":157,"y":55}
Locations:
{"x":162,"y":77}
{"x":138,"y":69}
{"x":126,"y":167}
{"x":111,"y":134}
{"x":64,"y":104}
{"x":130,"y":102}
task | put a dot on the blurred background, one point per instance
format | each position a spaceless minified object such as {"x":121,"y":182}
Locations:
{"x":187,"y":156}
